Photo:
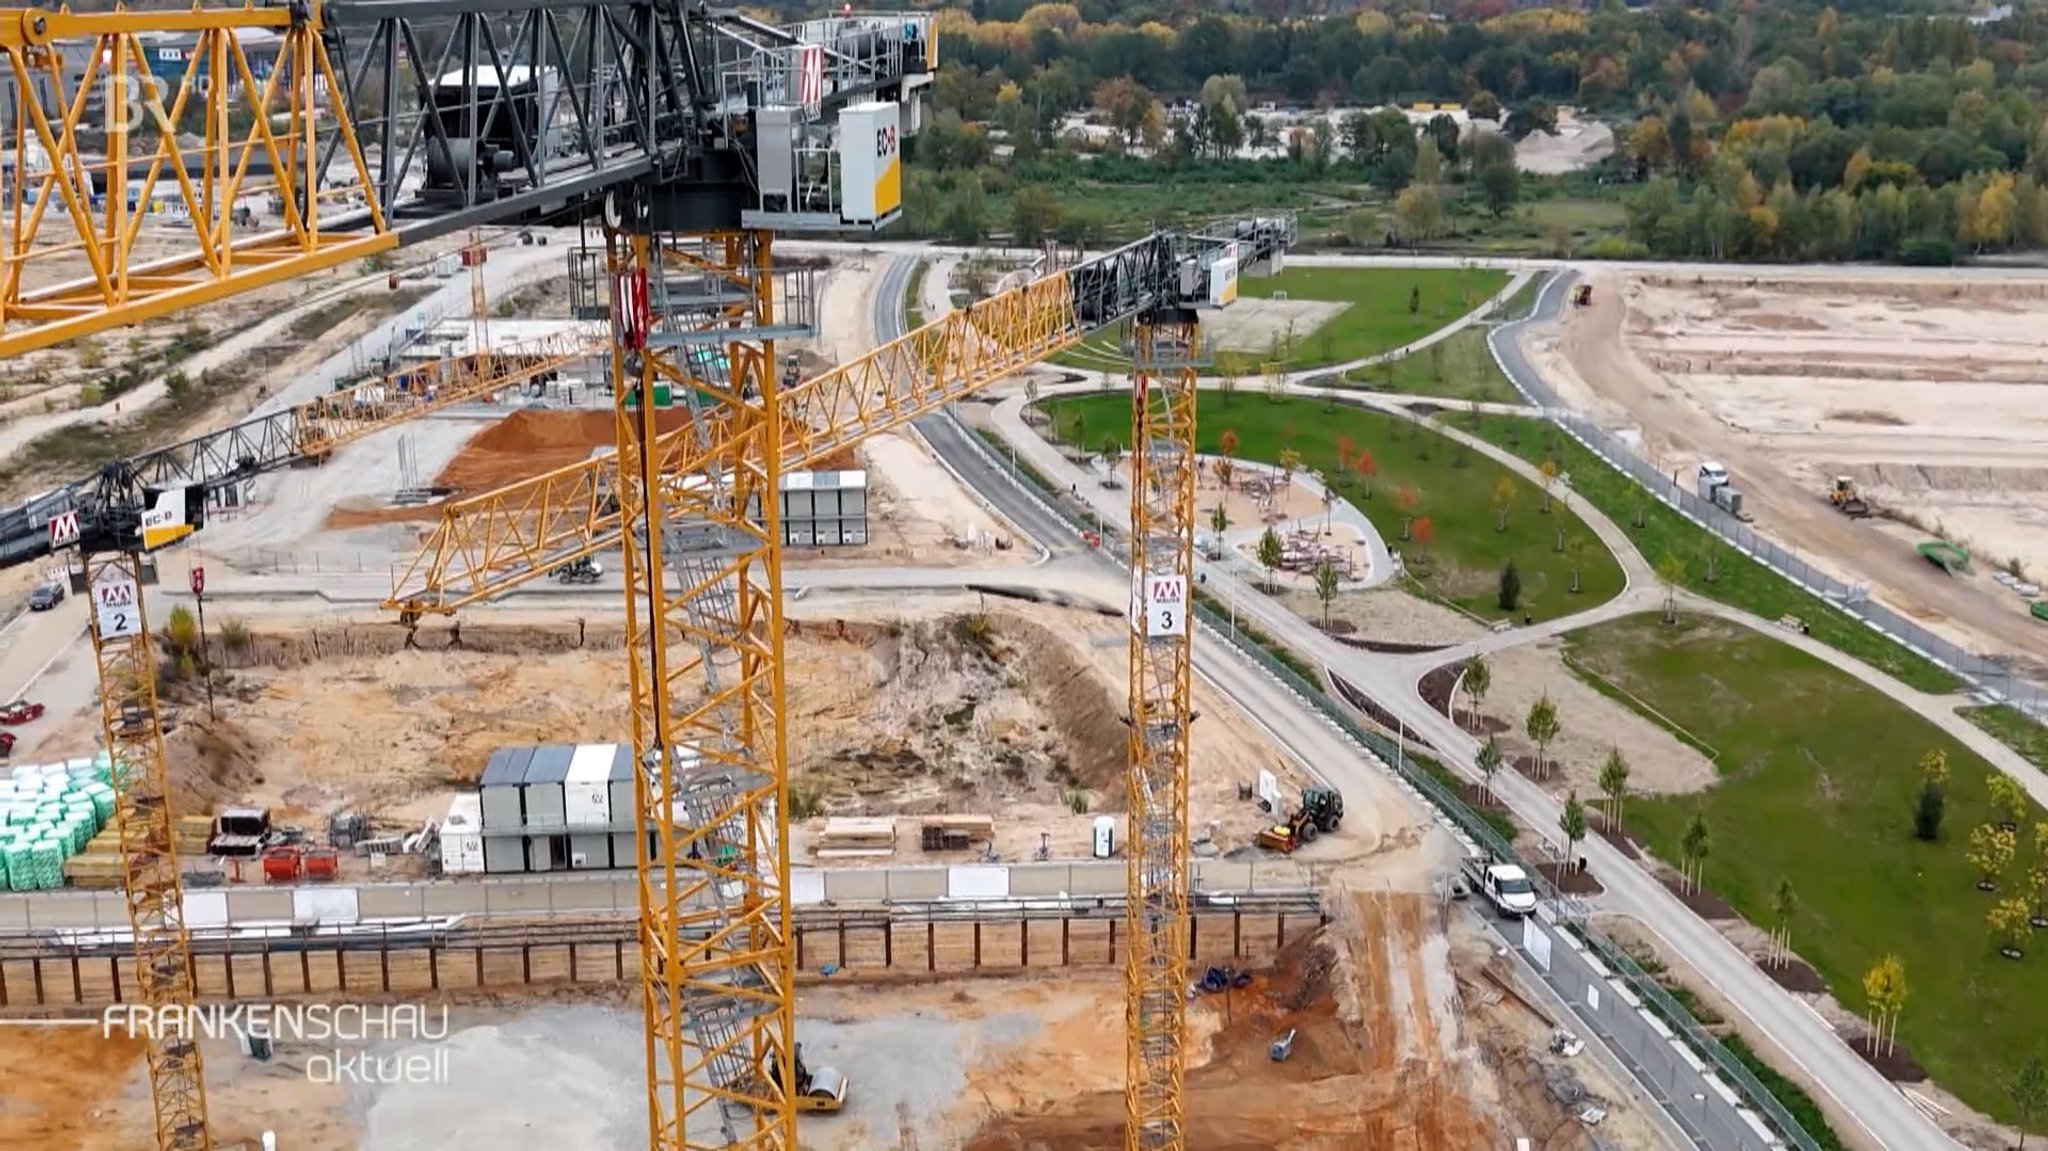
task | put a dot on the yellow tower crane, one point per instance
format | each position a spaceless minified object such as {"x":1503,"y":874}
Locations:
{"x":705,"y":630}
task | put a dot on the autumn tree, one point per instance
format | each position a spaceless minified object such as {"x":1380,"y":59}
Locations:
{"x":1345,"y":448}
{"x":1503,"y":500}
{"x":2008,"y":799}
{"x":1884,"y":996}
{"x":1424,"y":534}
{"x":1227,"y":443}
{"x":1991,"y":852}
{"x":1614,"y":785}
{"x":1407,"y":500}
{"x":1367,"y":467}
{"x":2011,"y":923}
{"x":1419,"y":213}
{"x":1290,"y":463}
{"x":1125,"y":103}
{"x":1226,"y":471}
{"x":1548,"y":470}
{"x":1542,"y":726}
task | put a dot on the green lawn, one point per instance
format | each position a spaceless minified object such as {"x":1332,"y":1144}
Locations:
{"x":1455,"y":487}
{"x":1818,"y":777}
{"x":1378,"y":317}
{"x":1376,"y":320}
{"x":2011,"y":727}
{"x":1739,"y":582}
{"x":1459,"y":368}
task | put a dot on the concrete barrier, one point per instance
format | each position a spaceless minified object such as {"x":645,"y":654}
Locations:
{"x":602,"y":893}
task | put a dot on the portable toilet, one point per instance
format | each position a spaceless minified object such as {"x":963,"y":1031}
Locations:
{"x":1105,"y":836}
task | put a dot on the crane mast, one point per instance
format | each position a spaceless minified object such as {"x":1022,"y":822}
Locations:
{"x":1162,"y":486}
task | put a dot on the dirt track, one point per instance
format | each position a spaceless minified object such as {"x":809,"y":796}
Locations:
{"x":1594,"y":347}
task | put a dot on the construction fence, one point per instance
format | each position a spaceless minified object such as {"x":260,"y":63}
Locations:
{"x":1994,"y":679}
{"x":1692,"y":1065}
{"x":399,"y":960}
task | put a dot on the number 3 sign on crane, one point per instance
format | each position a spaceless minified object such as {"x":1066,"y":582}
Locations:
{"x":116,"y":609}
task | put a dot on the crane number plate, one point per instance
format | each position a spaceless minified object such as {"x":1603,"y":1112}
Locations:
{"x":117,"y":607}
{"x":1160,"y":606}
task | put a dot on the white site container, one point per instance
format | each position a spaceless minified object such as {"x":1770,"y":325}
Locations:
{"x":587,"y":792}
{"x":1105,"y":836}
{"x":462,"y":836}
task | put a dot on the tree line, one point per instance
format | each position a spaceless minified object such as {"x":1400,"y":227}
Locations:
{"x":1797,"y":132}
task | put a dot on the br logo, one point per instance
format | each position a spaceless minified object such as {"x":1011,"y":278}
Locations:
{"x":885,"y":142}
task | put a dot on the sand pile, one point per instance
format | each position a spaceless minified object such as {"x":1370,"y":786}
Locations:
{"x":529,"y":442}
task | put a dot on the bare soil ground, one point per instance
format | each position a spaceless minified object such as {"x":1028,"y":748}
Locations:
{"x":1401,"y":1042}
{"x":1928,"y":394}
{"x":1659,"y":763}
{"x":919,"y":711}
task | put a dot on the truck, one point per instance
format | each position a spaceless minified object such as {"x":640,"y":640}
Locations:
{"x":1714,"y":487}
{"x":1505,"y":885}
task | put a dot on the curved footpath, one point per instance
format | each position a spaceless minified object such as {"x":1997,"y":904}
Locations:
{"x":1863,"y":1102}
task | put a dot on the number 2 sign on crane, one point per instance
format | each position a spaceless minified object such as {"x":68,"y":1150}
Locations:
{"x":116,"y":607}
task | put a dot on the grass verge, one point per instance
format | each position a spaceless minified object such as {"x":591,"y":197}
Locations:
{"x":1738,"y":581}
{"x":1818,"y":777}
{"x":1453,"y":489}
{"x":1460,"y":367}
{"x":2011,"y":727}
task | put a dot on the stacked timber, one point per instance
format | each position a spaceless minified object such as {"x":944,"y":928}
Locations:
{"x":845,"y":838}
{"x":955,"y":832}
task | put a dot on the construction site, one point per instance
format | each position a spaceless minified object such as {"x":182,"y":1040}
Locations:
{"x":922,"y":826}
{"x":1917,"y":394}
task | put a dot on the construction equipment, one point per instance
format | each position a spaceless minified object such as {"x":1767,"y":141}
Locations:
{"x":1320,"y":811}
{"x":1844,"y":498}
{"x":1582,"y":296}
{"x":581,"y":570}
{"x":820,"y":1091}
{"x":19,"y":712}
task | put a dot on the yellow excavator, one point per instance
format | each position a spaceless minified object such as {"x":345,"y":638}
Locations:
{"x":1582,"y":295}
{"x":1844,"y":498}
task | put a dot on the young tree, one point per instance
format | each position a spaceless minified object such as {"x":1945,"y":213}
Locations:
{"x":2008,"y":799}
{"x":1425,"y":534}
{"x":1489,"y":761}
{"x":1549,"y":470}
{"x":1479,"y":681}
{"x":1614,"y":785}
{"x":1329,"y":498}
{"x":1290,"y":463}
{"x":1784,"y":905}
{"x":1219,"y":522}
{"x":1407,"y":499}
{"x":1326,"y":588}
{"x":1366,"y":467}
{"x":1541,"y":725}
{"x":2029,"y":1092}
{"x":1991,"y":851}
{"x":1884,"y":990}
{"x":1503,"y":499}
{"x":1928,"y":808}
{"x":1227,"y":386}
{"x":1112,"y":452}
{"x":1510,"y":593}
{"x":1575,"y":558}
{"x":1693,"y":847}
{"x":1269,"y":554}
{"x":1670,"y":573}
{"x":2010,"y":924}
{"x":1934,"y":767}
{"x":1226,"y":472}
{"x":1573,"y":824}
{"x":1345,"y":450}
{"x":1227,"y":443}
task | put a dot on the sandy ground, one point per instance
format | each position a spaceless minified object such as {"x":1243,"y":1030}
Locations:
{"x":1410,"y":1035}
{"x":1925,"y":393}
{"x":1388,"y":614}
{"x":914,"y":712}
{"x":1256,"y":325}
{"x":1592,"y":726}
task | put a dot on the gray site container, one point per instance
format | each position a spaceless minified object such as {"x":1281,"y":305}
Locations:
{"x":545,"y":810}
{"x":622,"y":807}
{"x":504,"y":854}
{"x":502,"y":789}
